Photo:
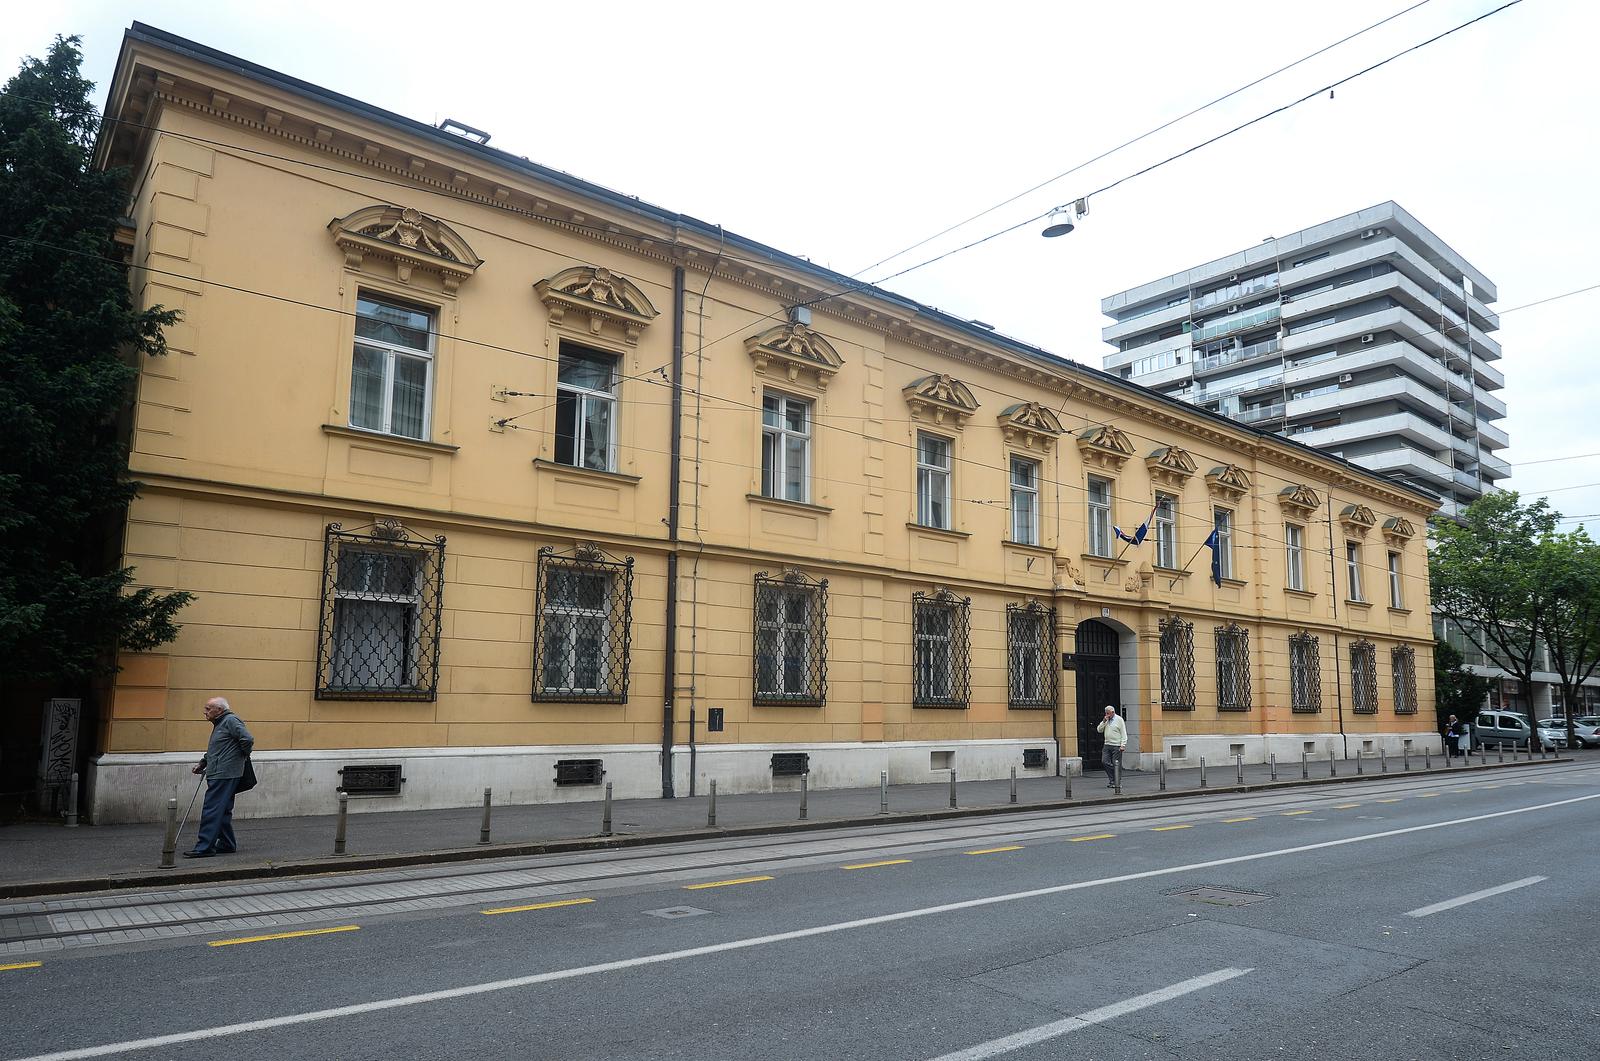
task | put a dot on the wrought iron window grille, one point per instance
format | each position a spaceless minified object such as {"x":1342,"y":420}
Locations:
{"x":1403,"y":660}
{"x":1177,"y":664}
{"x":1233,"y":668}
{"x":382,"y":595}
{"x":1305,"y":674}
{"x":1030,"y":653}
{"x":941,"y":649}
{"x":1364,"y":678}
{"x":791,"y":639}
{"x":583,"y":626}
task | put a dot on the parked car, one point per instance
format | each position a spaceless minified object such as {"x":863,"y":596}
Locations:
{"x":1587,"y":729}
{"x":1553,"y":732}
{"x":1506,"y":727}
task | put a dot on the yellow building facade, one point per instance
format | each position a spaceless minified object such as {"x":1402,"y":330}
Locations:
{"x":484,"y":475}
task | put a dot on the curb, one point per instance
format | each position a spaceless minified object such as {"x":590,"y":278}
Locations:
{"x":445,"y":856}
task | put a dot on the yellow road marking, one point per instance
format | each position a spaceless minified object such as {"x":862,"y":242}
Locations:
{"x":1169,"y":828}
{"x":1292,"y":813}
{"x":996,"y":850}
{"x":724,"y":883}
{"x":537,"y":906}
{"x":1345,"y":806}
{"x":1235,"y":821}
{"x":1425,"y":795}
{"x":20,"y":965}
{"x":875,"y":865}
{"x":1096,"y":836}
{"x":282,"y":935}
{"x":1386,"y":801}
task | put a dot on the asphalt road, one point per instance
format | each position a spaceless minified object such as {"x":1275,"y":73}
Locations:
{"x":1063,"y":934}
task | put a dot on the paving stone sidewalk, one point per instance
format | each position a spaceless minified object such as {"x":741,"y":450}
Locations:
{"x":32,"y":854}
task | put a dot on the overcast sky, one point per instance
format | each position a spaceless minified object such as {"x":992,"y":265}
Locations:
{"x":846,"y":131}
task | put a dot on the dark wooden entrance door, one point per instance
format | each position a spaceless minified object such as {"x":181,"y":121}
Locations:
{"x":1099,"y":684}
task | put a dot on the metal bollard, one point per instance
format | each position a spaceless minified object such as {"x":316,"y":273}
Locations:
{"x":1116,"y":776}
{"x":1202,"y":771}
{"x":1238,"y":763}
{"x":338,"y":829}
{"x":169,"y":846}
{"x":1527,"y":747}
{"x":1383,"y":762}
{"x":883,"y":792}
{"x":1427,"y":757}
{"x":1483,"y":755}
{"x":605,"y":813}
{"x":1273,"y":759}
{"x":711,"y":808}
{"x":805,"y":784}
{"x":1500,"y":752}
{"x":1162,"y":770}
{"x":1013,"y":784}
{"x":483,"y":830}
{"x":1333,"y":763}
{"x":1305,"y":766}
{"x":952,"y":787}
{"x":1359,"y":770}
{"x":1069,"y":783}
{"x":1405,"y":757}
{"x":72,"y":801}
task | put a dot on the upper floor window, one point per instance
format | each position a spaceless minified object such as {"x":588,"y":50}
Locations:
{"x":1177,"y":664}
{"x":1166,"y":531}
{"x":1099,"y":516}
{"x":940,"y":650}
{"x":586,"y":416}
{"x":379,"y":636}
{"x":1352,"y":566}
{"x":1305,"y":673}
{"x":785,"y":448}
{"x":1222,"y":521}
{"x":1364,"y":677}
{"x":1024,"y":501}
{"x":391,"y":376}
{"x":584,"y":616}
{"x":1294,"y":553}
{"x":1397,"y":598}
{"x":933,"y":481}
{"x":791,"y":639}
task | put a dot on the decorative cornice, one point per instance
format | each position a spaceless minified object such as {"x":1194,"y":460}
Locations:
{"x":1228,"y":482}
{"x":1104,"y":446}
{"x":1170,"y":466}
{"x":601,"y":295}
{"x":798,"y":352}
{"x":1299,"y":500}
{"x":1030,"y":424}
{"x":1397,"y":530}
{"x":407,"y":237}
{"x":941,"y":399}
{"x":1356,"y":520}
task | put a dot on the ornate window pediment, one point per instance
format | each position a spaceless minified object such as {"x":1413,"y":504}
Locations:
{"x":1299,"y":500}
{"x":1030,"y":424}
{"x":599,"y":294}
{"x":1104,"y":447}
{"x":1397,"y":530}
{"x":1357,"y":520}
{"x":942,"y":399}
{"x":1170,"y":466}
{"x":1228,"y":482}
{"x":798,"y":352}
{"x":409,"y":238}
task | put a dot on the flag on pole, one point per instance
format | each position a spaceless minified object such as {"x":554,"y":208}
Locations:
{"x":1216,"y":557}
{"x":1141,"y":532}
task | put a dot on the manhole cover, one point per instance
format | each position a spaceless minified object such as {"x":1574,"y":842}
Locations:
{"x":1220,"y":896}
{"x":672,"y":912}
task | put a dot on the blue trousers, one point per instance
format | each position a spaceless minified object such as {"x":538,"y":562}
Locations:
{"x":216,"y":817}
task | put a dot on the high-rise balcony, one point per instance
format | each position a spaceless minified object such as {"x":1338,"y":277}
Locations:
{"x":1253,"y":352}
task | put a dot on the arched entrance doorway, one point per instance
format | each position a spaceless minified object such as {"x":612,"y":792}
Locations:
{"x":1099,"y":684}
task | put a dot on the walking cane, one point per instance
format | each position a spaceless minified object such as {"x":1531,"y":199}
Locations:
{"x":189,"y":808}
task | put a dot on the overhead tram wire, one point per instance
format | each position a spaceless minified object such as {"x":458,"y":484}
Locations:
{"x":1142,"y":136}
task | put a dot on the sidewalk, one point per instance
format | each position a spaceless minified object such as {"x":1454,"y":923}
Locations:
{"x":44,"y":859}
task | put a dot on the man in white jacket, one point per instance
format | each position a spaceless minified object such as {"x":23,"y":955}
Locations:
{"x":1115,"y":732}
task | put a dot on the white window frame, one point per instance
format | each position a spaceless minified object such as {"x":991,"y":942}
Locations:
{"x":1397,"y":598}
{"x":933,"y":483}
{"x":1295,"y":555}
{"x":1025,"y":532}
{"x":1099,"y":517}
{"x":775,"y":634}
{"x":1166,"y":528}
{"x":390,"y":352}
{"x":1352,"y":565}
{"x":1222,"y":521}
{"x":775,"y":439}
{"x":925,"y":659}
{"x":571,"y":615}
{"x":587,"y":398}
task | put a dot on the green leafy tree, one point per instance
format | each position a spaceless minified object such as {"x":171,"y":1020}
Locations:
{"x":70,"y":342}
{"x":1456,"y":690}
{"x":1485,"y":575}
{"x":1570,"y":565}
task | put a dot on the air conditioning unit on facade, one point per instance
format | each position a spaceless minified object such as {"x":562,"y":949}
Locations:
{"x":1369,"y":337}
{"x":1234,"y":308}
{"x":1346,"y":378}
{"x":1371,"y":232}
{"x":1234,"y":278}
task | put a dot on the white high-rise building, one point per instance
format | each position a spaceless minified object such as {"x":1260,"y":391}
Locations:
{"x":1366,"y":336}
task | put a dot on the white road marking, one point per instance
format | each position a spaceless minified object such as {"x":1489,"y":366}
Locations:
{"x":996,"y":1047}
{"x":468,"y":990}
{"x":1451,"y":904}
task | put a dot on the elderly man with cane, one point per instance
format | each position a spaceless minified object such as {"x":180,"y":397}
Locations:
{"x":226,"y":767}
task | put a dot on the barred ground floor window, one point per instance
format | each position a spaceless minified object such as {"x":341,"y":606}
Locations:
{"x":941,"y":647}
{"x":381,"y":598}
{"x":583,"y":618}
{"x":1403,"y":661}
{"x":1364,"y":678}
{"x":1030,"y":653}
{"x":791,"y":639}
{"x":1233,"y":668}
{"x":1177,"y":664}
{"x":1305,"y":673}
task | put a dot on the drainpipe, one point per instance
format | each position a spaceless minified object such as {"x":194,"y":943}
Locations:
{"x":669,"y":667}
{"x":1333,"y":600}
